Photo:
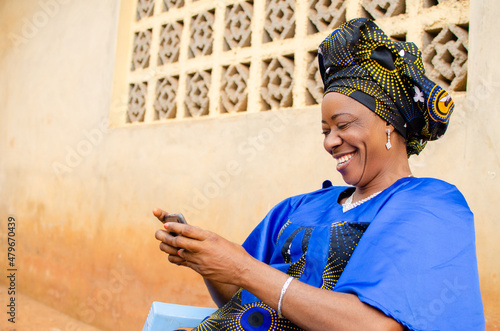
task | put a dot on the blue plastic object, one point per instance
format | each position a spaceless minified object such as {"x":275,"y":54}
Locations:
{"x":167,"y":316}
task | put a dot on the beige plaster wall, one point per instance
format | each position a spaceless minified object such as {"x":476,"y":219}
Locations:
{"x":82,"y":193}
{"x":481,"y":156}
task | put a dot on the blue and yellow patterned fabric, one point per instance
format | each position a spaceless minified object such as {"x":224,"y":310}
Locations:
{"x":359,"y":60}
{"x":409,"y":252}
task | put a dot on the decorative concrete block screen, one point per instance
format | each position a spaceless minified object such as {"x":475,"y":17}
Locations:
{"x":189,"y":59}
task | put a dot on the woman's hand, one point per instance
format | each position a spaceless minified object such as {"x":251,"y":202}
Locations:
{"x":160,"y":235}
{"x":227,"y":266}
{"x":207,"y":253}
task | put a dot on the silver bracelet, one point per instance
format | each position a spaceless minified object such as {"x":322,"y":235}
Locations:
{"x":283,"y":290}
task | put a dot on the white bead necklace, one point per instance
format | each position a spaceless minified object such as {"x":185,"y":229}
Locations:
{"x":348,"y":205}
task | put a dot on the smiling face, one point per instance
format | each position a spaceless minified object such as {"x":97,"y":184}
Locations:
{"x":356,"y":137}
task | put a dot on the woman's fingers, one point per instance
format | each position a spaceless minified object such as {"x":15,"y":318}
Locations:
{"x":172,"y":254}
{"x":177,"y":260}
{"x":187,"y":231}
{"x":159,"y":213}
{"x":169,"y":243}
{"x":161,"y":235}
{"x":168,"y":249}
{"x":205,"y":252}
{"x":167,"y":240}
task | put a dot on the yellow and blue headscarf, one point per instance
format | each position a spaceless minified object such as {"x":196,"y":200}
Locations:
{"x":359,"y":60}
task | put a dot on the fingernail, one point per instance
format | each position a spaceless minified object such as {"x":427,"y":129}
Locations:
{"x":165,"y":225}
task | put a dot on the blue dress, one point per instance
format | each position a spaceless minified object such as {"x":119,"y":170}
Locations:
{"x":409,"y":252}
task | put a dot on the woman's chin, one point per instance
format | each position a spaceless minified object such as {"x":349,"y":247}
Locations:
{"x":349,"y":180}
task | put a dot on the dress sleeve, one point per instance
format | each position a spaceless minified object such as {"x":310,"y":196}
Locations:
{"x":261,"y":241}
{"x":417,"y":261}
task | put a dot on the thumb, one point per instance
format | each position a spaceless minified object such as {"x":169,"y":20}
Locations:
{"x":159,"y":213}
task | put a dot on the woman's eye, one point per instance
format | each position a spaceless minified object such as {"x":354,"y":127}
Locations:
{"x":342,"y":126}
{"x":326,"y":132}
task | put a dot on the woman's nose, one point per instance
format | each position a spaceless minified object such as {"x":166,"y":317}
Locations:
{"x":332,"y":140}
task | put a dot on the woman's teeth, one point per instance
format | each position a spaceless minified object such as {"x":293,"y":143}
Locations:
{"x":344,"y":159}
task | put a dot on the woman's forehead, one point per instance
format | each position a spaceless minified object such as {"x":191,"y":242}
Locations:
{"x":335,"y":104}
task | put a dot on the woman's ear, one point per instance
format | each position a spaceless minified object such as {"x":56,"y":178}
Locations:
{"x":398,"y":136}
{"x":389,"y":126}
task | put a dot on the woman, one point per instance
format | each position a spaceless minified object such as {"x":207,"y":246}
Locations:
{"x":391,"y":252}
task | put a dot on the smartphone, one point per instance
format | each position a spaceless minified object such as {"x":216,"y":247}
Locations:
{"x":179,"y":218}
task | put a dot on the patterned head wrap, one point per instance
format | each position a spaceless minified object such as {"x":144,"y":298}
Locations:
{"x":359,"y":60}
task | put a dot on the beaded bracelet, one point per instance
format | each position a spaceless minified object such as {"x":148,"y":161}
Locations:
{"x":282,"y":294}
